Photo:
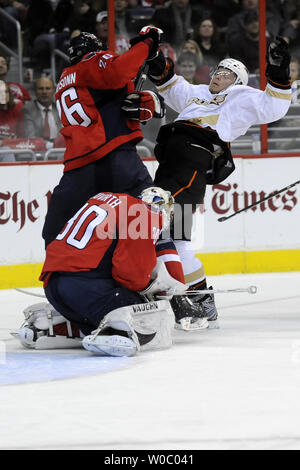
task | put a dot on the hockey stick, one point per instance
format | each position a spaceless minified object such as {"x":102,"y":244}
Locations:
{"x":29,"y":293}
{"x":141,"y":77}
{"x":222,"y":219}
{"x":250,"y":290}
{"x":172,"y":292}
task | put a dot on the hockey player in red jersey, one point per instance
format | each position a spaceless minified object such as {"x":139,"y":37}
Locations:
{"x":100,"y":138}
{"x":110,"y":255}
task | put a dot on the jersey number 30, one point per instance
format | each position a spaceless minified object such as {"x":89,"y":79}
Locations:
{"x":77,"y":223}
{"x":74,"y":113}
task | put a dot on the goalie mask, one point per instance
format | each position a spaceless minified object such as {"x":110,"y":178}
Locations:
{"x":163,"y":200}
{"x":237,"y":67}
{"x":81,"y":45}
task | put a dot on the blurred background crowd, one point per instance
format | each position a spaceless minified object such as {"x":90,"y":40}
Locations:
{"x":197,"y":35}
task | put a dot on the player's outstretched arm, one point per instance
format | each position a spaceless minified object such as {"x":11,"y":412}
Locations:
{"x":278,"y":63}
{"x":125,"y":67}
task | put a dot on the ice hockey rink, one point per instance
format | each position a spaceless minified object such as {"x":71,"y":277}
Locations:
{"x":233,"y":388}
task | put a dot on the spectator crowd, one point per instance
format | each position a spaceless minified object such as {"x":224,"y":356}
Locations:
{"x":197,"y":35}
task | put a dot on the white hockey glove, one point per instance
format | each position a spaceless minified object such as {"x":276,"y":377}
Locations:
{"x":163,"y":286}
{"x":45,"y":328}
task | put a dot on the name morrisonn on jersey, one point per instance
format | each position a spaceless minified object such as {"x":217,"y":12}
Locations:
{"x":69,"y":79}
{"x":218,"y":99}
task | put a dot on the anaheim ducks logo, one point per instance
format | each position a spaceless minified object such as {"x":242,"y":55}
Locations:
{"x":218,"y":99}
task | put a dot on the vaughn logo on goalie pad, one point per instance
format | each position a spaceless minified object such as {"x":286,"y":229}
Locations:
{"x":145,"y":307}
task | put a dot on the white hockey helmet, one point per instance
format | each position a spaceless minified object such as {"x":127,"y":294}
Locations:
{"x":163,"y":200}
{"x":237,"y":67}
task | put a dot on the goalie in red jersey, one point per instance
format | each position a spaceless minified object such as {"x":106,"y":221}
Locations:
{"x":101,"y":114}
{"x":103,"y":268}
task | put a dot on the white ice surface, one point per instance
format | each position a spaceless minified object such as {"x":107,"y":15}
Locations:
{"x":233,"y":388}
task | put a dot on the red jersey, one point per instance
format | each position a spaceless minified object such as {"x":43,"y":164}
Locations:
{"x":89,"y":96}
{"x":11,"y":121}
{"x":20,"y":93}
{"x":115,"y":235}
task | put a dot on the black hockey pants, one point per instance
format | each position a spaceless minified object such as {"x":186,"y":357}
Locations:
{"x":182,"y":170}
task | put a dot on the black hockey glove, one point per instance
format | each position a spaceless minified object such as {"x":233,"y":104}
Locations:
{"x":143,"y":106}
{"x":161,"y":69}
{"x":151,"y":36}
{"x":157,"y":65}
{"x":278,"y":62}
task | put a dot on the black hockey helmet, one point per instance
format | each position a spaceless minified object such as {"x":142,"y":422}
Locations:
{"x":82,"y":44}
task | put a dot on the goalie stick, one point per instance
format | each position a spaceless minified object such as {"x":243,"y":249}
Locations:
{"x":29,"y":293}
{"x":222,"y":219}
{"x":250,"y":290}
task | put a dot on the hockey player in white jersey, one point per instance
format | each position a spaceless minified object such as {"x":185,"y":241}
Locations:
{"x":193,"y":151}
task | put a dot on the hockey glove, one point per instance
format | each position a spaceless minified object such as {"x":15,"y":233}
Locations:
{"x":278,"y":61}
{"x":163,"y":284}
{"x":161,"y":69}
{"x":152,"y":37}
{"x":144,"y":105}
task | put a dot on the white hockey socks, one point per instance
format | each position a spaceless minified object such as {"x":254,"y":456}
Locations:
{"x":193,"y":269}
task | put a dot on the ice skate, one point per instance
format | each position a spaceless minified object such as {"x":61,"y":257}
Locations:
{"x":207,"y":302}
{"x":187,"y":315}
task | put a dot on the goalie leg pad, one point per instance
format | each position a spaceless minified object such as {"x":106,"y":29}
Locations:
{"x":109,"y":345}
{"x":31,"y":338}
{"x":115,"y":335}
{"x":127,"y":330}
{"x":45,"y":328}
{"x":153,"y":323}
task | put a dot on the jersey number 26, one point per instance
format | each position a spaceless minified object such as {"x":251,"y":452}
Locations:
{"x":75,"y":114}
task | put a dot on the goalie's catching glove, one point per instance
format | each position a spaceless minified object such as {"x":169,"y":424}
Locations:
{"x":144,"y":105}
{"x":278,"y":62}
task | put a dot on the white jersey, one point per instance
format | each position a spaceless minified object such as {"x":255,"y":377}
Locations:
{"x":230,"y":112}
